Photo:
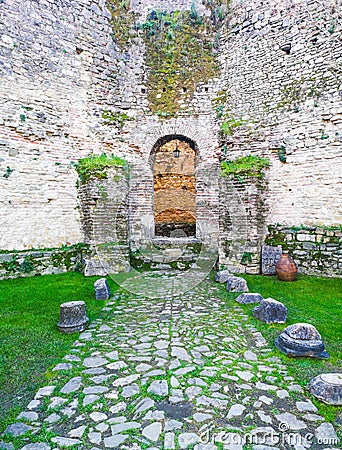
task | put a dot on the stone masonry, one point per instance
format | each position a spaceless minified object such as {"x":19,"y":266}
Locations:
{"x":69,"y":88}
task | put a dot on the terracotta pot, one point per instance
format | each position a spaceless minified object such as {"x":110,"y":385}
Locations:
{"x":286,"y":268}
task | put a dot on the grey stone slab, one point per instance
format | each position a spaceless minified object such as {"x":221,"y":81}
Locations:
{"x":95,"y":361}
{"x":126,"y":380}
{"x":169,"y":441}
{"x":62,"y":366}
{"x":65,"y":442}
{"x":291,"y":421}
{"x":306,"y":406}
{"x":180,"y":353}
{"x":95,"y":437}
{"x":130,"y":391}
{"x":90,"y":398}
{"x":95,"y":389}
{"x":36,"y":446}
{"x":114,"y":441}
{"x":326,"y":432}
{"x":72,"y":385}
{"x":173,"y":425}
{"x":185,"y":440}
{"x":158,"y":387}
{"x":113,"y":355}
{"x":97,"y":416}
{"x":77,"y":432}
{"x":144,"y":405}
{"x":119,"y":428}
{"x":18,"y":429}
{"x":202,"y":417}
{"x":30,"y":416}
{"x":236,"y":410}
{"x":152,"y":431}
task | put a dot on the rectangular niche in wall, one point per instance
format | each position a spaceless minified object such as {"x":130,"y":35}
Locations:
{"x":175,"y":190}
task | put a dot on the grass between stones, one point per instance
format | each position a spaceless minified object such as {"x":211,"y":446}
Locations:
{"x":309,"y":299}
{"x":30,"y":343}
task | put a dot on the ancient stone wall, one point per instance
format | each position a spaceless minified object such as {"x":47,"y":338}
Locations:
{"x":315,"y":250}
{"x":43,"y":262}
{"x":282,"y":74}
{"x":104,"y":219}
{"x":242,"y":223}
{"x":76,"y":79}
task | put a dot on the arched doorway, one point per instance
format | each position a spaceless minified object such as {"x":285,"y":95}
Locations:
{"x":174,"y":165}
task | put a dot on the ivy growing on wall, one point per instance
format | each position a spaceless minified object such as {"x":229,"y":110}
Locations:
{"x":245,"y":167}
{"x":95,"y":166}
{"x":180,"y":53}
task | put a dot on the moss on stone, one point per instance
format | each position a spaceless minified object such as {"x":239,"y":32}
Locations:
{"x":180,"y":54}
{"x":122,"y":22}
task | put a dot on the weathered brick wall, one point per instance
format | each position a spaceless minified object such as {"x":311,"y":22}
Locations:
{"x":242,"y":223}
{"x":104,"y":218}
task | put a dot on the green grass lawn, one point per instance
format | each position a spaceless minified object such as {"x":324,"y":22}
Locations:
{"x":313,"y":300}
{"x":30,"y":342}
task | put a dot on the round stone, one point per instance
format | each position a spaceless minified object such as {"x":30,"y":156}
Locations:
{"x":303,"y":331}
{"x":328,"y":388}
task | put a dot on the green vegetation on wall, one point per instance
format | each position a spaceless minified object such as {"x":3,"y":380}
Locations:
{"x":245,"y":167}
{"x":94,"y":166}
{"x":35,"y":261}
{"x":122,"y":21}
{"x":180,"y":53}
{"x":228,"y":126}
{"x":115,"y":118}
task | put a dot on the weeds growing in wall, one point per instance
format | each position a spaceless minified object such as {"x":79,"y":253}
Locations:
{"x":181,"y":48}
{"x":94,"y":166}
{"x":179,"y":55}
{"x":245,"y":167}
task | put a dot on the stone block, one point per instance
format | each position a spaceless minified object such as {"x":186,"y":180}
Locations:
{"x":237,"y":284}
{"x":327,"y":388}
{"x":102,"y":291}
{"x":223,"y":276}
{"x":269,"y":258}
{"x":270,"y":311}
{"x":301,"y":340}
{"x":73,"y":317}
{"x":246,"y":299}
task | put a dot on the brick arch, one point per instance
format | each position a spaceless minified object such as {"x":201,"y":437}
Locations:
{"x":186,"y":131}
{"x":168,"y":138}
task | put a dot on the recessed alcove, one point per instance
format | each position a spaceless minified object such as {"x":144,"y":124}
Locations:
{"x":174,"y":187}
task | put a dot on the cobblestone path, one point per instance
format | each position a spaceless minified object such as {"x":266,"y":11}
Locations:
{"x":186,"y":372}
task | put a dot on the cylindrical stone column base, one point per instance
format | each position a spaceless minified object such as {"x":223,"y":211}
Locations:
{"x":73,"y":317}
